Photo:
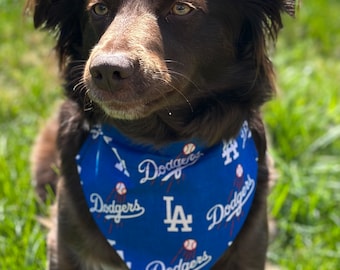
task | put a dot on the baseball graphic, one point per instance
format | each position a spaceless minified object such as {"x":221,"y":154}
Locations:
{"x":190,"y":244}
{"x":189,"y":148}
{"x":121,"y":188}
{"x":239,"y":171}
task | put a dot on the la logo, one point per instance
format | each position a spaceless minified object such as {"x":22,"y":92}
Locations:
{"x":230,"y":152}
{"x":176,"y":217}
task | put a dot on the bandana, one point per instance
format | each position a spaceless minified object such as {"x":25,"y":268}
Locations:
{"x":177,"y":207}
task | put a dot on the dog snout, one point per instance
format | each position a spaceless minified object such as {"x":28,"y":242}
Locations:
{"x":108,"y":71}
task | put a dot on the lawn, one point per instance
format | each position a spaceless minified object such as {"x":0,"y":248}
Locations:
{"x":303,"y":124}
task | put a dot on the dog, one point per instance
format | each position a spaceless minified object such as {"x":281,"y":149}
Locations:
{"x":158,"y":154}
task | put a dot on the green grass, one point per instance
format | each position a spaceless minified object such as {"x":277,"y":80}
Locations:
{"x":303,"y":124}
{"x":27,"y":93}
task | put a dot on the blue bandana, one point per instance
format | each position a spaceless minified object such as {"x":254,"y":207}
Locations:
{"x":174,"y":208}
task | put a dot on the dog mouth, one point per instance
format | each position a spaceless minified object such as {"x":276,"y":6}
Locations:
{"x":126,"y":88}
{"x":129,"y":105}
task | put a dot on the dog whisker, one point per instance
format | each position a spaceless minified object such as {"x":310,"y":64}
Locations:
{"x":173,"y":62}
{"x":88,"y":104}
{"x":172,"y":72}
{"x":77,"y":67}
{"x":80,"y":85}
{"x":178,"y":91}
{"x":184,"y":96}
{"x":76,"y":76}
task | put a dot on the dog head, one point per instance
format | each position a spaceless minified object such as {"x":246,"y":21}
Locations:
{"x":186,"y":63}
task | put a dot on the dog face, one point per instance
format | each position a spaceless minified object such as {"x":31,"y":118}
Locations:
{"x":157,"y":55}
{"x":171,"y":65}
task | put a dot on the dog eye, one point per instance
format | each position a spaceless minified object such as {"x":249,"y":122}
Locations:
{"x":100,"y":9}
{"x":181,"y":9}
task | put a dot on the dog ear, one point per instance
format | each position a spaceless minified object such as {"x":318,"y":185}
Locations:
{"x":64,"y":17}
{"x":263,"y":21}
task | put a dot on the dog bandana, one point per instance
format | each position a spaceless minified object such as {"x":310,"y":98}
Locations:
{"x":177,"y":207}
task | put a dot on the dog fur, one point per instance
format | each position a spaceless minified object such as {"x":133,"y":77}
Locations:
{"x":158,"y":76}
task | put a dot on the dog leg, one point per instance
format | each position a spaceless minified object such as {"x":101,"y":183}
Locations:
{"x":44,"y":160}
{"x":52,"y":251}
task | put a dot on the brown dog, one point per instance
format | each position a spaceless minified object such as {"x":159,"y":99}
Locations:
{"x":159,"y":73}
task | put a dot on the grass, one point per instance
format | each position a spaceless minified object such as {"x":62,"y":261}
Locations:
{"x":27,"y":91}
{"x":303,"y":124}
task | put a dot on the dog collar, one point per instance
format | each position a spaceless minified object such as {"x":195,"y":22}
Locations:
{"x":176,"y":207}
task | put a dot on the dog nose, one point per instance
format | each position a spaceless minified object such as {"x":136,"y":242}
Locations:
{"x":108,"y":71}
